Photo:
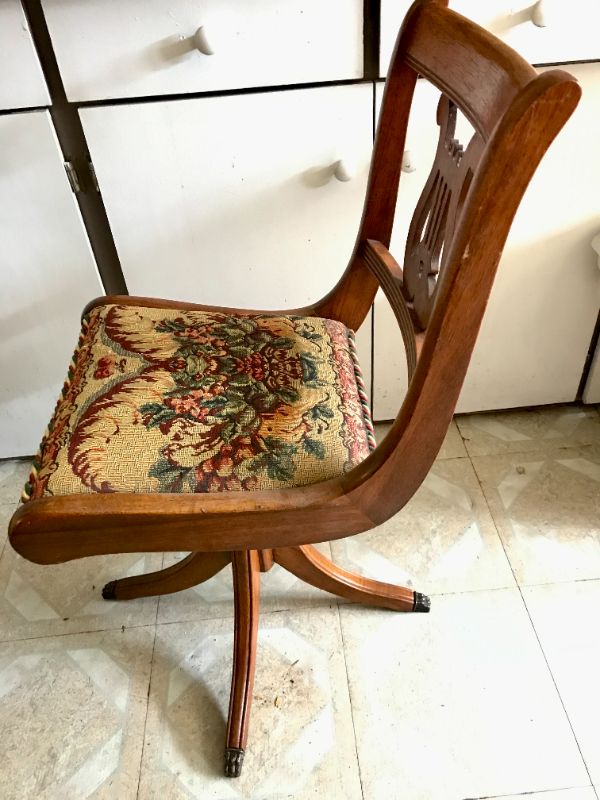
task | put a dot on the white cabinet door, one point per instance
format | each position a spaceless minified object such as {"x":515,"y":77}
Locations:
{"x":233,"y":200}
{"x":48,"y":274}
{"x":569,"y":32}
{"x":22,"y":84}
{"x":538,"y":325}
{"x":141,"y":47}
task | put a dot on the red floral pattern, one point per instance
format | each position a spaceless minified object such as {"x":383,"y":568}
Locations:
{"x":185,"y":401}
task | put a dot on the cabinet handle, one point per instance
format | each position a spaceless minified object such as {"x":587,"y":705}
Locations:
{"x":596,"y":247}
{"x":407,"y":162}
{"x":203,"y":42}
{"x":344,"y":170}
{"x":540,"y":14}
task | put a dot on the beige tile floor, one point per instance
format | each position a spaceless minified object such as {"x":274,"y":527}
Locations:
{"x":495,"y":694}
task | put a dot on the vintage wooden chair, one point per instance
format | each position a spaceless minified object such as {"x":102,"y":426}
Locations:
{"x":244,"y":436}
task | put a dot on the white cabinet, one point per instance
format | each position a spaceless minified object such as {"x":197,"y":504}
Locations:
{"x":537,"y":328}
{"x":233,"y":200}
{"x":146,"y":47}
{"x":569,"y":33}
{"x":21,"y":81}
{"x":48,"y":274}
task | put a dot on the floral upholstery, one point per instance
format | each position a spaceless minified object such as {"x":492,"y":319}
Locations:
{"x":164,"y":400}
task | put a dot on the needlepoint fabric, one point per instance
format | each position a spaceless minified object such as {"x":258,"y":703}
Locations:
{"x":165,"y":400}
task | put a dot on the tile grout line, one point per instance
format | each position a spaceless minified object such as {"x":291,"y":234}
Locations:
{"x":137,"y":794}
{"x":360,"y":778}
{"x":535,"y":633}
{"x":491,"y":514}
{"x":120,"y":626}
{"x":555,"y":685}
{"x":534,"y":793}
{"x":531,"y":620}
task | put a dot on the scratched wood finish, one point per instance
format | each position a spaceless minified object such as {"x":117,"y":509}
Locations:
{"x":455,"y":242}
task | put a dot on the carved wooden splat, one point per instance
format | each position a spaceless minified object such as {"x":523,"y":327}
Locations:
{"x":435,"y":216}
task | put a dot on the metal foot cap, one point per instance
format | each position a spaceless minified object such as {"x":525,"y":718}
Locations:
{"x":109,"y":592}
{"x":422,"y":603}
{"x":234,"y":758}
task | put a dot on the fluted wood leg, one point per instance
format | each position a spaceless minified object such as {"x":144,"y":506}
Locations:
{"x":308,"y":564}
{"x":246,"y":585}
{"x":190,"y":571}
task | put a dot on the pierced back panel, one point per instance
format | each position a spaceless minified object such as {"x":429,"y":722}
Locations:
{"x":436,"y":214}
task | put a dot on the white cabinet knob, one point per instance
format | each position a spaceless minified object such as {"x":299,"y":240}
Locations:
{"x":407,"y":162}
{"x":596,"y":247}
{"x":540,"y":14}
{"x":344,"y":170}
{"x":203,"y":41}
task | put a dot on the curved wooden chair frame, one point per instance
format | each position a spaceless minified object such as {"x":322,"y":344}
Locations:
{"x":454,"y":245}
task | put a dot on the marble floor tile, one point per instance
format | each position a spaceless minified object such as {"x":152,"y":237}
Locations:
{"x":565,"y":617}
{"x":6,"y":512}
{"x":13,"y":474}
{"x":72,"y":715}
{"x":280,"y":591}
{"x":546,"y":506}
{"x":45,"y":600}
{"x":452,"y":446}
{"x":443,"y":540}
{"x":456,"y":704}
{"x":301,"y":742}
{"x":522,"y":431}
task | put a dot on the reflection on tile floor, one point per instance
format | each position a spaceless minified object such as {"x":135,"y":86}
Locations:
{"x":494,"y":694}
{"x":482,"y":708}
{"x":546,"y":505}
{"x":444,"y":540}
{"x":301,"y":724}
{"x":561,"y":615}
{"x":72,"y":714}
{"x":523,"y":431}
{"x":66,"y":598}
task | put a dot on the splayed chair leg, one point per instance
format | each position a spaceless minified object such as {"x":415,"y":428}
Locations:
{"x":246,"y":586}
{"x":190,"y":571}
{"x":306,"y":563}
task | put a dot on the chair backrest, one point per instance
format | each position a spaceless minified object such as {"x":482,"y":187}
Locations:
{"x":458,"y":229}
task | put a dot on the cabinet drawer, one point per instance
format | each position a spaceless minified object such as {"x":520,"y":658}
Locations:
{"x":148,"y":47}
{"x":570,"y":32}
{"x":21,"y":81}
{"x":540,"y":318}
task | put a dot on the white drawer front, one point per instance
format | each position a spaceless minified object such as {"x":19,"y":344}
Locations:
{"x":571,"y":31}
{"x":22,"y":84}
{"x":537,"y":328}
{"x":232,"y":200}
{"x":48,"y":275}
{"x":148,"y":47}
